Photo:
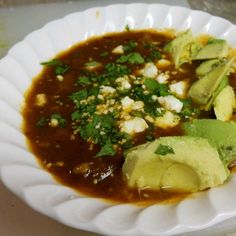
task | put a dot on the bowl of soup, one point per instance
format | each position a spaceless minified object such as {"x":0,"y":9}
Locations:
{"x":120,"y":120}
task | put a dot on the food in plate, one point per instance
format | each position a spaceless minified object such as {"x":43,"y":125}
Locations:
{"x":136,"y":115}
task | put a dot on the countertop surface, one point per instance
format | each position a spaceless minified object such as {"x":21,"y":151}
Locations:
{"x":16,"y":218}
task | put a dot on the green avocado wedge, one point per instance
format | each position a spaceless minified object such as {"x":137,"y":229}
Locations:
{"x":221,"y":135}
{"x":207,"y":66}
{"x":186,"y":164}
{"x":203,"y":90}
{"x":215,"y":48}
{"x":224,"y":104}
{"x":182,"y":48}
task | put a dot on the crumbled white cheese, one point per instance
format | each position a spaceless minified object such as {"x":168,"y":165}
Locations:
{"x":149,"y":119}
{"x":138,"y":105}
{"x":127,"y":103}
{"x":54,"y":122}
{"x":162,"y":78}
{"x":107,"y":89}
{"x":179,"y":88}
{"x":123,"y":83}
{"x":154,"y":98}
{"x":149,"y":70}
{"x":100,"y":97}
{"x":118,"y":50}
{"x":60,"y":78}
{"x":41,"y":99}
{"x":133,"y":126}
{"x":167,"y":120}
{"x":171,"y":103}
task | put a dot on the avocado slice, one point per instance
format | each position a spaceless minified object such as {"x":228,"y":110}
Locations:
{"x":222,"y":85}
{"x":220,"y":134}
{"x":207,"y":66}
{"x":182,"y":48}
{"x":203,"y":89}
{"x":187,"y":164}
{"x":224,"y":104}
{"x":215,"y":48}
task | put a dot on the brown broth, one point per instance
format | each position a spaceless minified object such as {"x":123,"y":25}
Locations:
{"x":61,"y":153}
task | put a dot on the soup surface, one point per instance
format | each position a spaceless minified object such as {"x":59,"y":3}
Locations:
{"x":96,"y":100}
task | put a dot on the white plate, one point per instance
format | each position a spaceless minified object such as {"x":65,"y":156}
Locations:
{"x":19,"y":169}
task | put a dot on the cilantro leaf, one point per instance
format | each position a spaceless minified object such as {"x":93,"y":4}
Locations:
{"x":76,"y":115}
{"x":130,"y":46}
{"x":107,"y":149}
{"x":83,"y":80}
{"x":60,"y":68}
{"x":154,"y":55}
{"x":80,"y":95}
{"x":41,"y":122}
{"x":127,"y":28}
{"x":92,"y":64}
{"x":114,"y":70}
{"x":156,"y":88}
{"x":104,"y":54}
{"x":93,"y":91}
{"x":53,"y":62}
{"x":135,"y":58}
{"x":164,"y":150}
{"x":132,"y":58}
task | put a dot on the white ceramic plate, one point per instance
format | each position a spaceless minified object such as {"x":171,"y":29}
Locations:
{"x":19,"y":169}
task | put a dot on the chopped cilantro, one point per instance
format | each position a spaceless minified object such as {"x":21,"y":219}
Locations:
{"x":130,"y":46}
{"x":104,"y":54}
{"x":92,"y":64}
{"x":116,"y":70}
{"x":164,"y":150}
{"x":127,"y":28}
{"x":41,"y":122}
{"x":80,"y":95}
{"x":60,"y":68}
{"x":154,"y":55}
{"x":61,"y":121}
{"x":188,"y":110}
{"x":93,"y":91}
{"x":132,"y":58}
{"x":83,"y":80}
{"x":158,"y":89}
{"x":53,"y":62}
{"x":76,"y":115}
{"x":107,"y":149}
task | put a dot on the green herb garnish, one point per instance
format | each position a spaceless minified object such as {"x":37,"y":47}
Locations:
{"x":104,"y":54}
{"x":127,"y":28}
{"x":83,"y":80}
{"x":60,"y":68}
{"x":132,"y":58}
{"x":41,"y":122}
{"x":157,"y":88}
{"x":164,"y":150}
{"x":107,"y":149}
{"x":130,"y":46}
{"x":92,"y":64}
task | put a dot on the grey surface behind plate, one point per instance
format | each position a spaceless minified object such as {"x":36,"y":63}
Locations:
{"x":16,"y":219}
